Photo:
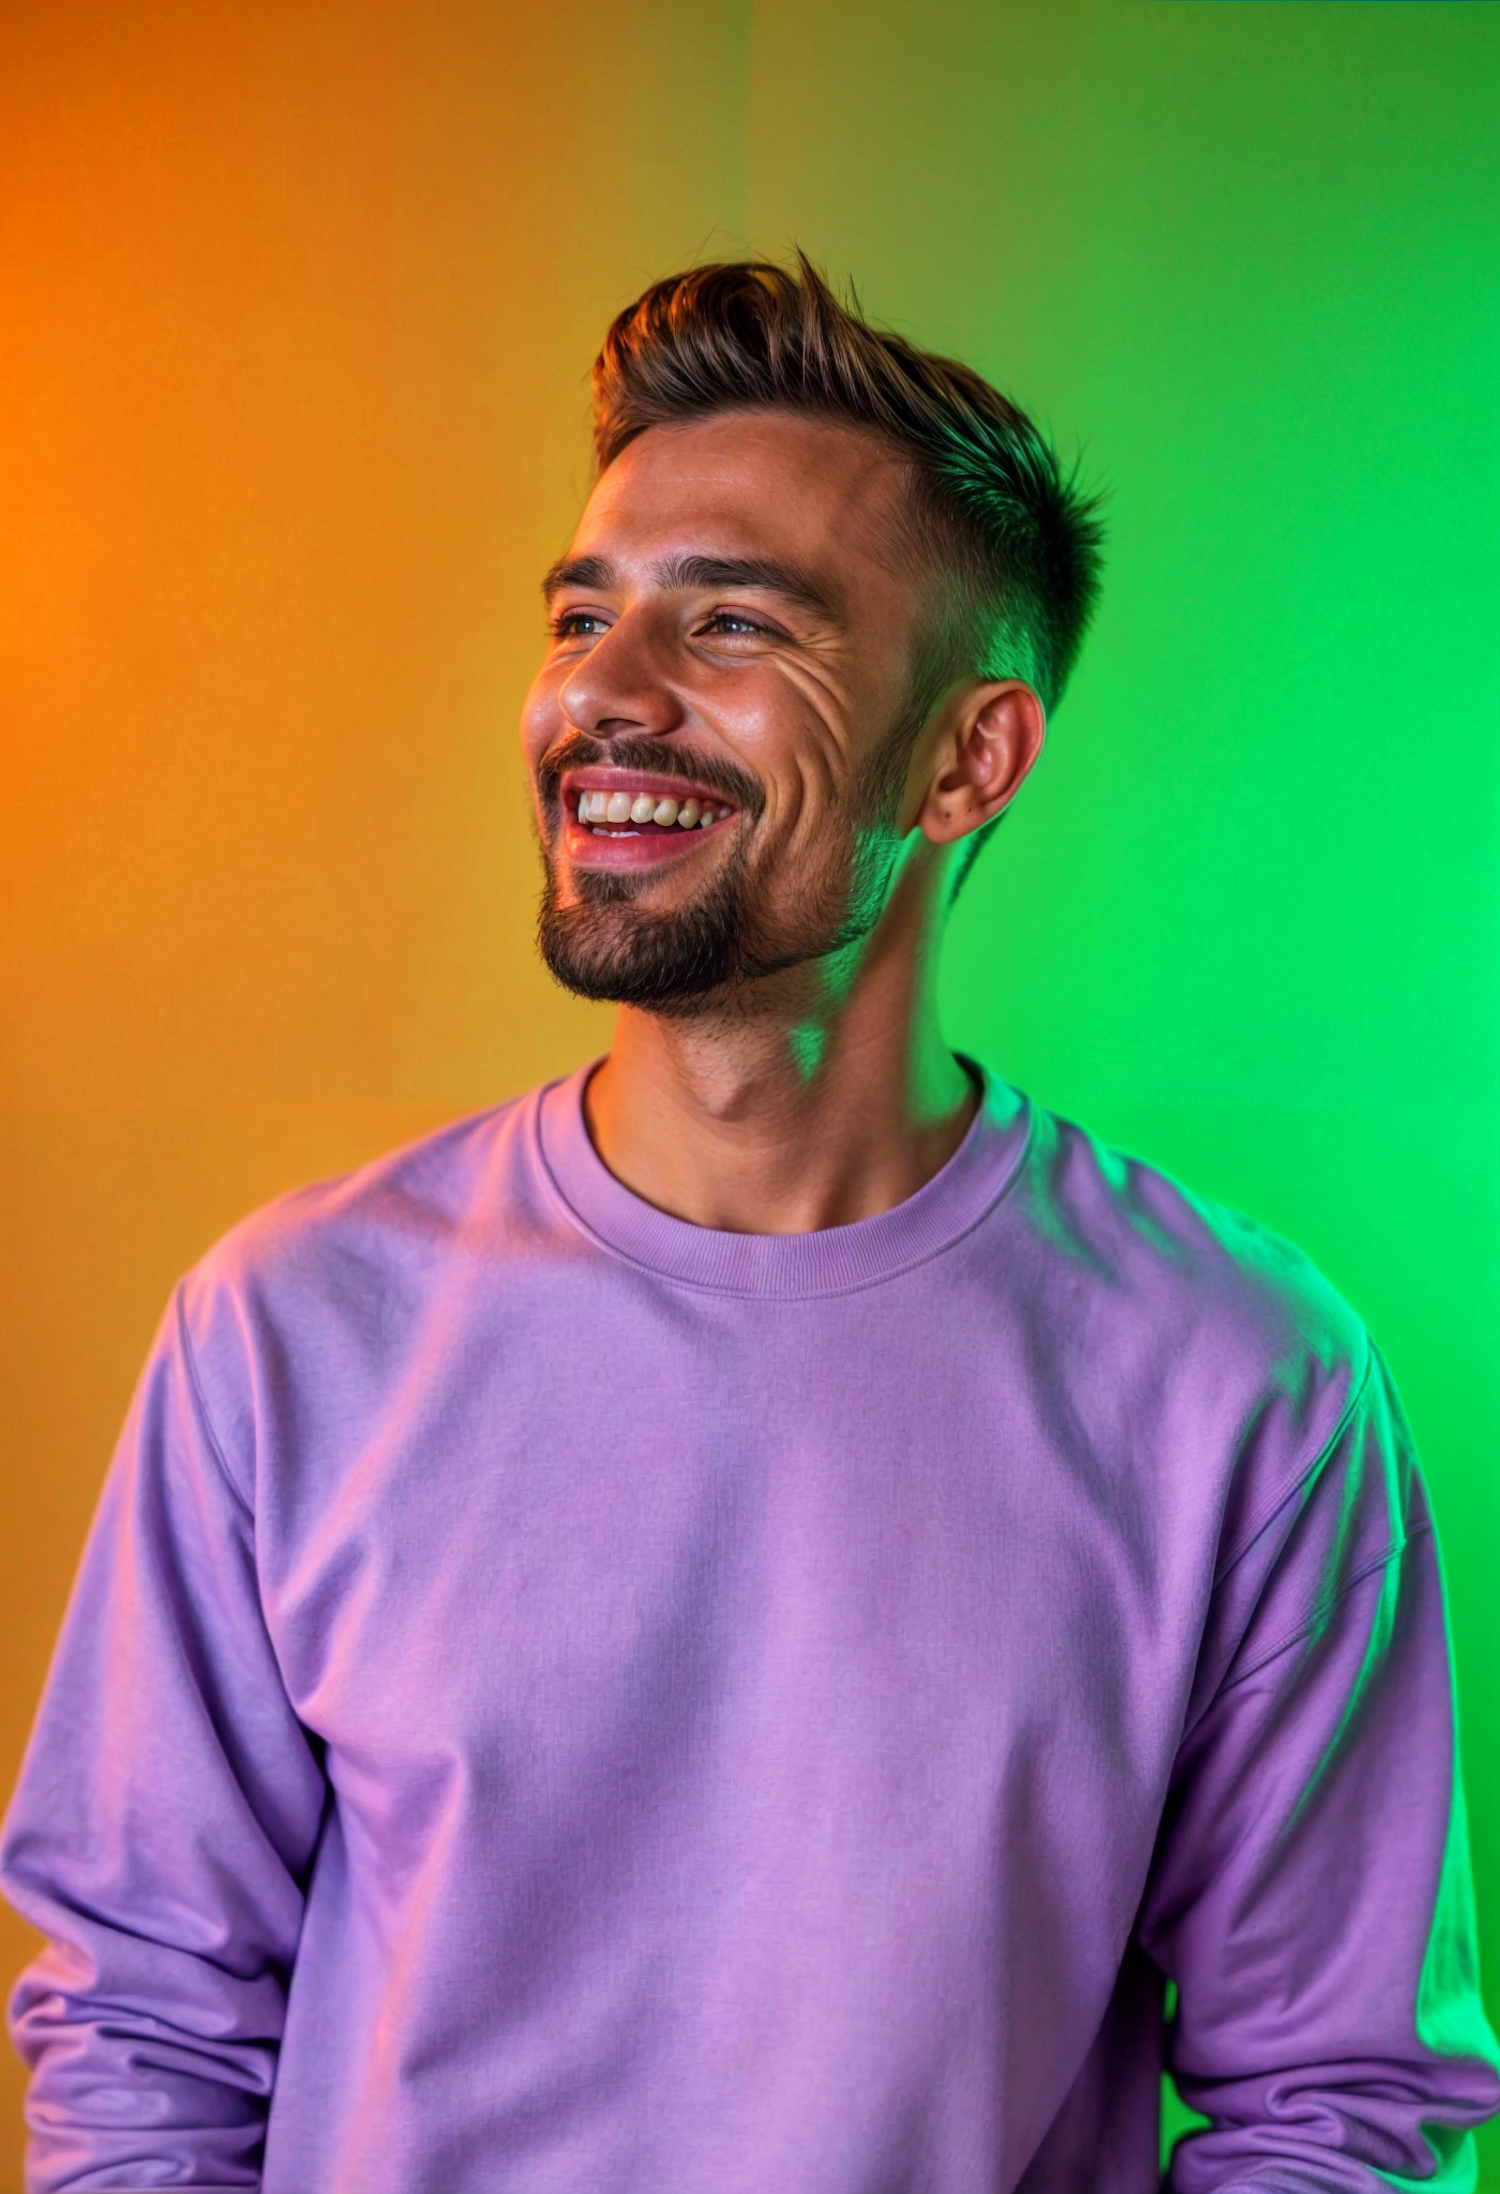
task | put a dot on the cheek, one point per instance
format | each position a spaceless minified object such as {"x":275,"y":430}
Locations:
{"x":794,"y":733}
{"x":541,"y":718}
{"x":814,"y":785}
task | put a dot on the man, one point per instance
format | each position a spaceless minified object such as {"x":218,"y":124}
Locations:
{"x":728,"y":1625}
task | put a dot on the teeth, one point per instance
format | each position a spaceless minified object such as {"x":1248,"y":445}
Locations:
{"x":597,"y":806}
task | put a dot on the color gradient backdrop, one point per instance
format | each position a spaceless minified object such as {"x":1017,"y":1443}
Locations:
{"x":299,"y":298}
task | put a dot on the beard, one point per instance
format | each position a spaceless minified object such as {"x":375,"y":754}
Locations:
{"x":747,"y":921}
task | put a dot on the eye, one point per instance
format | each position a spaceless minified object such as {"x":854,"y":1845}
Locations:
{"x":734,"y":621}
{"x":574,"y":624}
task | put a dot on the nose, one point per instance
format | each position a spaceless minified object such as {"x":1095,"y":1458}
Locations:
{"x":620,"y":685}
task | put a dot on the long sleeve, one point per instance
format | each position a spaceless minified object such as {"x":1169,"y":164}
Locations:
{"x":1311,"y":1891}
{"x":166,"y":1812}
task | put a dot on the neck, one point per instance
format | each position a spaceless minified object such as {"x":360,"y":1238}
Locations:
{"x":811,"y":1099}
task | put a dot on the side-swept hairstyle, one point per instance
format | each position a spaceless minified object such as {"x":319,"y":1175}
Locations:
{"x":1016,"y":540}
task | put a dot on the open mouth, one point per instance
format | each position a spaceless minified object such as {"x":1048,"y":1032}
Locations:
{"x":612,"y":812}
{"x":616,"y":815}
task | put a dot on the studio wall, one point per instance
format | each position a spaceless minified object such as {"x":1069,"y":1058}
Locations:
{"x":299,"y":305}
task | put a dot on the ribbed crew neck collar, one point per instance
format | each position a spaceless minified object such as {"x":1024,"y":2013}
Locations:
{"x":824,"y":1262}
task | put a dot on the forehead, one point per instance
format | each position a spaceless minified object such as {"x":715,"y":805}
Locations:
{"x":755,"y":482}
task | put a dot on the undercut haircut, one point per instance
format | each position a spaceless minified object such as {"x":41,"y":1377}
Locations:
{"x":1011,"y":539}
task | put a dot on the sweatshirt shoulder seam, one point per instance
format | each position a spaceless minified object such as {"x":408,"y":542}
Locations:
{"x":1279,"y":1499}
{"x":1326,"y":1604}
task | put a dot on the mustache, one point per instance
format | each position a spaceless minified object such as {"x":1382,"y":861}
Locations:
{"x":646,"y":753}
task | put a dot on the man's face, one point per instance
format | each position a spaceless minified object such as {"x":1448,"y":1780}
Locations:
{"x":717,"y":735}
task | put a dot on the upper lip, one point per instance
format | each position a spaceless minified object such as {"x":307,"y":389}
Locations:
{"x":605,"y":779}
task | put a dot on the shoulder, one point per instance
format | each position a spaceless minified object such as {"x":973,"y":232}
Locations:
{"x":1200,"y":1317}
{"x":1141,"y":1230}
{"x":422,"y":1194}
{"x":343,"y":1271}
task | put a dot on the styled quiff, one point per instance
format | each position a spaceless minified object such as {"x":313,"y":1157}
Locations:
{"x":1016,"y":543}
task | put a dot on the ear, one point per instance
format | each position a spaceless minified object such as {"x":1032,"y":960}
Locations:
{"x":986,"y":749}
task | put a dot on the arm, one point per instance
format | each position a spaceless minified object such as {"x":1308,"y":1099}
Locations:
{"x":1310,"y":1892}
{"x":160,"y":1832}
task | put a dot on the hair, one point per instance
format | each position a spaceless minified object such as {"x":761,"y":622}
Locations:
{"x":1014,"y":540}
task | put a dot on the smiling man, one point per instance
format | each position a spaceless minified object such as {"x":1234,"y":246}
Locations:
{"x":729,"y":1625}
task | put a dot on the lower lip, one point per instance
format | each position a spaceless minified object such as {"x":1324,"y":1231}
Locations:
{"x":651,"y":849}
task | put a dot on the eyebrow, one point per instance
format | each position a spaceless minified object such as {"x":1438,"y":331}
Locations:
{"x":769,"y":575}
{"x":577,"y":571}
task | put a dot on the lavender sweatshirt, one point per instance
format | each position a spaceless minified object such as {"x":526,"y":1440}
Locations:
{"x":558,"y":1700}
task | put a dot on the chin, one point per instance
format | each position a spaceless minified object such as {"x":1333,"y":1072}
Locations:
{"x":663,"y":964}
{"x":691,"y":959}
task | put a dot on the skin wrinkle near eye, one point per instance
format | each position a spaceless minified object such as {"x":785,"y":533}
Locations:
{"x":690,"y":573}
